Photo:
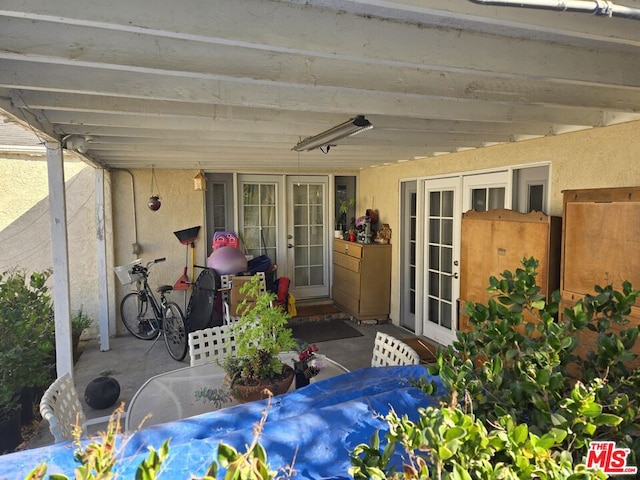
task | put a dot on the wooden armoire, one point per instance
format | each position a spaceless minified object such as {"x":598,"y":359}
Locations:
{"x":600,"y":246}
{"x":497,"y":240}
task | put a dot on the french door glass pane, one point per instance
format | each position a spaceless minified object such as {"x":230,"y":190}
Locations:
{"x":259,"y":226}
{"x":434,"y":230}
{"x":447,"y":231}
{"x":496,"y":198}
{"x":308,"y":217}
{"x":479,"y":199}
{"x":434,"y":257}
{"x":536,"y":199}
{"x":434,"y":310}
{"x":434,"y":204}
{"x":440,"y":260}
{"x":446,"y":315}
{"x":447,"y":203}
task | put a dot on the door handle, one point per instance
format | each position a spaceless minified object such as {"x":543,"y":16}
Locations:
{"x":290,"y":245}
{"x":454,"y":275}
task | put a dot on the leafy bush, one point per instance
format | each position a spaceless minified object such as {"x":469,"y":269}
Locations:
{"x":518,"y":371}
{"x":26,"y":334}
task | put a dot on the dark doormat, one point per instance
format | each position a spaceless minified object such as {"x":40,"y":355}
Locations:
{"x":323,"y":331}
{"x":425,"y":350}
{"x":310,"y":310}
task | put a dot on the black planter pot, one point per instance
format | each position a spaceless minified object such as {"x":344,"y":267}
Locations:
{"x":102,"y":392}
{"x":11,"y":429}
{"x":301,"y":380}
{"x":26,"y":405}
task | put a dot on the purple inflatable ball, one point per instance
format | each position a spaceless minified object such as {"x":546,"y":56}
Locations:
{"x":227,"y":261}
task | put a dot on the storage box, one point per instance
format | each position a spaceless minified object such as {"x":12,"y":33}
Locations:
{"x":234,"y":284}
{"x":235,"y":297}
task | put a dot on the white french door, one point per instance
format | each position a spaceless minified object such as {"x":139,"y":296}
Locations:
{"x":441,"y":282}
{"x":308,"y":232}
{"x":287,"y":218}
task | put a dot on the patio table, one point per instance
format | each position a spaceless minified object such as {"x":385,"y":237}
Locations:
{"x":317,"y":426}
{"x":175,"y":395}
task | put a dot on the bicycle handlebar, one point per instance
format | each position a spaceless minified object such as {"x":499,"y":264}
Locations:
{"x":157,"y":260}
{"x":141,"y":269}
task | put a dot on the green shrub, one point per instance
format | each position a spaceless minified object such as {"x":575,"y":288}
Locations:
{"x":518,"y":370}
{"x":26,"y":334}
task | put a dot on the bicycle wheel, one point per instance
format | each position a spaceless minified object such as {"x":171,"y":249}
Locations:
{"x":175,"y":333}
{"x":137,"y":315}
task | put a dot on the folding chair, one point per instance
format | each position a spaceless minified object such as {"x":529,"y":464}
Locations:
{"x":61,"y":407}
{"x":210,"y":344}
{"x":388,"y":350}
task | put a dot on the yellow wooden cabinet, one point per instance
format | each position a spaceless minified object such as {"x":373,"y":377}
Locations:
{"x":362,"y":279}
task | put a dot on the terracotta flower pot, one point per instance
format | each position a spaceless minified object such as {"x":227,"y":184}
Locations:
{"x":248,"y":393}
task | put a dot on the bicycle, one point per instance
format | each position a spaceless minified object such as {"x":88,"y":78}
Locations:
{"x":164,"y":318}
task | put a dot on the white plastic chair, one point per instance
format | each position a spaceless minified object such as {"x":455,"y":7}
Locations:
{"x":388,"y":350}
{"x":210,"y":344}
{"x":61,"y":407}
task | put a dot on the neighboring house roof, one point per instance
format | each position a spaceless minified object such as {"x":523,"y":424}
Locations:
{"x":18,"y":139}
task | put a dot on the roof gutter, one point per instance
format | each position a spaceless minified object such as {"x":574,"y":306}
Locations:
{"x":594,"y":7}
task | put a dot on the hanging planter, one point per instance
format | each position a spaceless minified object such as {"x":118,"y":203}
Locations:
{"x":154,"y":203}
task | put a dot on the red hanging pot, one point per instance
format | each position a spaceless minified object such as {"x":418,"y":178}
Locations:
{"x":154,"y":203}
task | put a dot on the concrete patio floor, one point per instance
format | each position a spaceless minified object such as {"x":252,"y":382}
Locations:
{"x":131,"y":365}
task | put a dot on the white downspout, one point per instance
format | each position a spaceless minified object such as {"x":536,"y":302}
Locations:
{"x":594,"y":7}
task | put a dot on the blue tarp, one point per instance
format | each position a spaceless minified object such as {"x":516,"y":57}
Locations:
{"x":318,"y":425}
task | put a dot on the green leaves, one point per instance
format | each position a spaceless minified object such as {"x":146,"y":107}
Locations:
{"x":521,"y":402}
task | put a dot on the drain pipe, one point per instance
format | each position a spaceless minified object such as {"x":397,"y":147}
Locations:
{"x":135,"y":246}
{"x":594,"y":7}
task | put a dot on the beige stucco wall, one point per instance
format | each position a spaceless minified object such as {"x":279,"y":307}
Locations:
{"x":25,"y":232}
{"x":182,"y":207}
{"x":596,"y":158}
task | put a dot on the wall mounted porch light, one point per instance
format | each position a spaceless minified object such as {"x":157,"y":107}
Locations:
{"x":349,"y":128}
{"x":200,"y":182}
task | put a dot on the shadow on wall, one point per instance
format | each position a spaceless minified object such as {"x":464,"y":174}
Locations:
{"x":25,"y":242}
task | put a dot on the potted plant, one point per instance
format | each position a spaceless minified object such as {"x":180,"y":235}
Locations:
{"x":261,"y":334}
{"x":308,"y":365}
{"x":80,"y":321}
{"x":343,"y":208}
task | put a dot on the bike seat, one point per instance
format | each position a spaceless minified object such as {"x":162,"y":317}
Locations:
{"x":164,"y":288}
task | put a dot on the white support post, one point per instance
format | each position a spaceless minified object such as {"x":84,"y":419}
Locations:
{"x":60,"y":259}
{"x":101,"y":256}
